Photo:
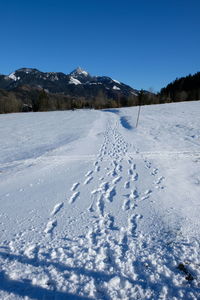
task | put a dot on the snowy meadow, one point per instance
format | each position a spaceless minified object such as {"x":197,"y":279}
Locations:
{"x":93,"y":208}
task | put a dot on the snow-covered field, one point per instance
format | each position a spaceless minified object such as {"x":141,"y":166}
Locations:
{"x":93,"y":208}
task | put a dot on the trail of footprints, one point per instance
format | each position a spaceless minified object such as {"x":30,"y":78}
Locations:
{"x":123,"y":254}
{"x":114,"y":150}
{"x":101,"y":249}
{"x":52,"y":222}
{"x":111,"y":251}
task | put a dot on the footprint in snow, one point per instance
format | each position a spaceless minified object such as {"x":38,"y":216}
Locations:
{"x":154,"y":172}
{"x":133,"y":223}
{"x":159,"y":180}
{"x":74,"y":197}
{"x":146,"y":194}
{"x":119,"y":168}
{"x":130,"y":172}
{"x":133,"y":194}
{"x":57,"y":208}
{"x":116,"y":180}
{"x":74,"y":186}
{"x":91,"y":207}
{"x":88,"y":173}
{"x":110,"y":194}
{"x":129,"y":161}
{"x":110,"y":222}
{"x":104,"y":186}
{"x":127,"y":185}
{"x":126,"y":205}
{"x":147,"y":164}
{"x":133,"y":166}
{"x":31,"y":251}
{"x":112,"y":173}
{"x":50,"y":226}
{"x":100,"y":205}
{"x":97,"y":169}
{"x":134,"y":177}
{"x":88,"y":180}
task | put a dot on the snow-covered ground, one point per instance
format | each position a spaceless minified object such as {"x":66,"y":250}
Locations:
{"x":93,"y":208}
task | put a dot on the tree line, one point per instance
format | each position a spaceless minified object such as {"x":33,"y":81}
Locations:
{"x":24,"y":100}
{"x":182,"y":89}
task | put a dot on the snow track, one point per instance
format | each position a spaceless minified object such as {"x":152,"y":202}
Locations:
{"x":104,"y":234}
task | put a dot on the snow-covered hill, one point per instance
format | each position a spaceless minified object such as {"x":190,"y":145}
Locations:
{"x":94,"y":208}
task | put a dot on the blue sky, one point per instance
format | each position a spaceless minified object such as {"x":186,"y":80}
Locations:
{"x":144,"y":43}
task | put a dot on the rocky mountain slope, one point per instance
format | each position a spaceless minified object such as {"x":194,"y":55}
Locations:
{"x":77,"y":83}
{"x":30,"y":89}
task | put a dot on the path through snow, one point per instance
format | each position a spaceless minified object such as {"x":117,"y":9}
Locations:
{"x":115,"y":222}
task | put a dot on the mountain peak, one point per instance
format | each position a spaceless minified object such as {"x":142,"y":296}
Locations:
{"x":79,"y":83}
{"x":79,"y":71}
{"x":27,"y":70}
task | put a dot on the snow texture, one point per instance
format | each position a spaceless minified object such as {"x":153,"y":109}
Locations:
{"x":78,"y":71}
{"x":13,"y":76}
{"x":74,"y":81}
{"x":94,"y":208}
{"x":116,"y":81}
{"x":116,"y":87}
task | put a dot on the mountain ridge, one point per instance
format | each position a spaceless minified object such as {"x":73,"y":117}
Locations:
{"x":58,"y":82}
{"x":28,"y":89}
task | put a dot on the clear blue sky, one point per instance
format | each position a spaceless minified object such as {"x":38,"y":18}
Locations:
{"x":144,"y":43}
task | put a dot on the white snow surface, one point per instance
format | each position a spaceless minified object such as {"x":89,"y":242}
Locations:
{"x":116,"y":81}
{"x":13,"y":76}
{"x":116,"y":87}
{"x":74,"y":81}
{"x":94,"y":208}
{"x":78,"y":71}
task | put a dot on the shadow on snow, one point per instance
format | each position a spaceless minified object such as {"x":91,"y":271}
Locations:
{"x":123,"y":120}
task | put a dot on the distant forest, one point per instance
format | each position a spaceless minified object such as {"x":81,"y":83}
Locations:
{"x":26,"y":98}
{"x":182,"y":89}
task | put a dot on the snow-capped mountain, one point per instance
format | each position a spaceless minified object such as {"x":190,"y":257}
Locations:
{"x":78,"y":83}
{"x":79,"y":72}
